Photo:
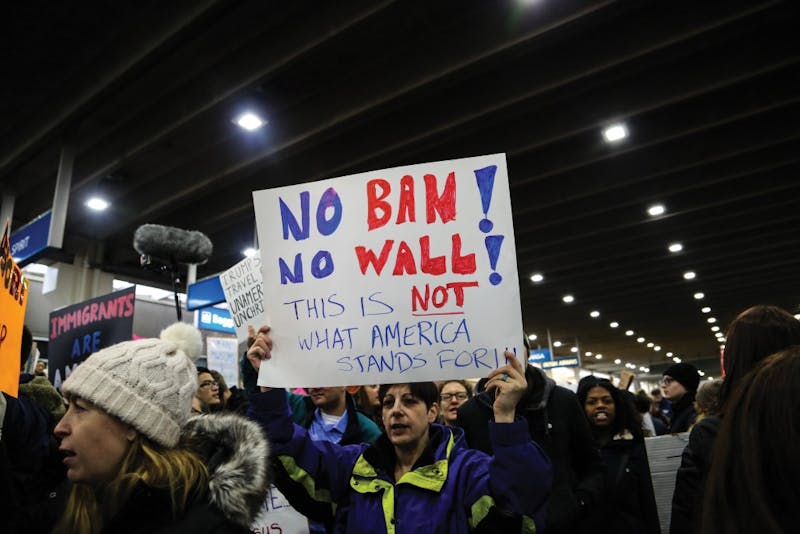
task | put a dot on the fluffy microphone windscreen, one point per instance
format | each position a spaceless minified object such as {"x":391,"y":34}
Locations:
{"x":170,"y":243}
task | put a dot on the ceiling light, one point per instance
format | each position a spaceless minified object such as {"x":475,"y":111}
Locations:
{"x":669,"y":354}
{"x":599,"y":356}
{"x":701,"y":373}
{"x":657,"y":348}
{"x":97,"y":204}
{"x":646,"y":369}
{"x":706,"y":309}
{"x":556,"y":343}
{"x":594,"y":313}
{"x":699,"y":296}
{"x":249,"y":252}
{"x":537,"y":277}
{"x":640,"y":339}
{"x":532,"y":337}
{"x":615,"y":132}
{"x":249,"y":121}
{"x":675,"y":247}
{"x":715,"y":328}
{"x":587,"y":353}
{"x":676,"y":360}
{"x":797,"y":316}
{"x":721,"y":339}
{"x":628,"y":332}
{"x":712,"y":320}
{"x":618,"y":361}
{"x":613,"y":324}
{"x":650,"y":344}
{"x":641,"y":368}
{"x":689,"y":275}
{"x":574,"y":349}
{"x":656,"y":209}
{"x":569,"y":299}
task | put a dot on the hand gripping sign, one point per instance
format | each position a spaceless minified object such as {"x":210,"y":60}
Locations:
{"x":403,"y":274}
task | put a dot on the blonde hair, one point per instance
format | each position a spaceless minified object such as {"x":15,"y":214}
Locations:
{"x":180,"y":471}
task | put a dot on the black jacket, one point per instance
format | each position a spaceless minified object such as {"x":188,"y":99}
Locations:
{"x":683,"y":414}
{"x":557,"y":423}
{"x":691,"y":477}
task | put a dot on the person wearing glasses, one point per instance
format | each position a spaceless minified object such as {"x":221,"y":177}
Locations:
{"x":679,"y":384}
{"x":453,"y":394}
{"x":208,"y":390}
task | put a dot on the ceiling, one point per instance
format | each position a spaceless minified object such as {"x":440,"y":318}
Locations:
{"x":144,"y":94}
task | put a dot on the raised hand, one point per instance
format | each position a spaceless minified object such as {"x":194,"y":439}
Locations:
{"x":509,"y":385}
{"x":261,"y":347}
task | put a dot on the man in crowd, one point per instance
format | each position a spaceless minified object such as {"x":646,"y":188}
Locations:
{"x":679,"y":384}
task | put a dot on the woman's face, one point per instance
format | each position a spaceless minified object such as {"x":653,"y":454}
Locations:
{"x":93,"y":443}
{"x":453,"y":395}
{"x":371,"y":393}
{"x":599,"y":407}
{"x":405,"y":417}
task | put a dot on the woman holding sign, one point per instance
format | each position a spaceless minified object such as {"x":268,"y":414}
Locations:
{"x":419,"y":476}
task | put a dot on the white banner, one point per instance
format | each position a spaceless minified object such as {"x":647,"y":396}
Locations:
{"x":278,"y":517}
{"x":244,"y":293}
{"x":223,"y":356}
{"x":405,"y":274}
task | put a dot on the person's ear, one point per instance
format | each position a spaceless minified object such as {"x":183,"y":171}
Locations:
{"x":131,"y":434}
{"x":433,"y":412}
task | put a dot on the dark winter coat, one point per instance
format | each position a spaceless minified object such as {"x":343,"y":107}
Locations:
{"x":451,"y":489}
{"x":628,"y":505}
{"x":557,"y":423}
{"x":236,"y":454}
{"x":683,"y":414}
{"x":691,"y":477}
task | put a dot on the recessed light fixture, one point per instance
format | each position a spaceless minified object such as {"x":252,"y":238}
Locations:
{"x":669,"y":354}
{"x":556,"y":343}
{"x":569,"y":299}
{"x":675,"y":247}
{"x":599,"y":356}
{"x":573,"y":349}
{"x":613,"y":324}
{"x":537,"y":278}
{"x":97,"y":204}
{"x":615,"y":132}
{"x":532,"y":337}
{"x":657,"y":348}
{"x":699,"y":296}
{"x":689,"y":275}
{"x":676,"y":360}
{"x":628,"y":332}
{"x":618,"y":361}
{"x":797,"y":316}
{"x":642,"y":368}
{"x":701,"y":373}
{"x":594,"y":313}
{"x":650,"y":344}
{"x":715,"y":328}
{"x":712,"y":319}
{"x":705,"y":309}
{"x":249,"y":121}
{"x":249,"y":252}
{"x":656,"y":209}
{"x":587,"y":353}
{"x":640,"y":339}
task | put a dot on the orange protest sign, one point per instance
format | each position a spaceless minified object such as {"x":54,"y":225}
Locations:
{"x":13,"y":300}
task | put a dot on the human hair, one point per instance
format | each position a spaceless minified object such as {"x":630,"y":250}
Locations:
{"x":754,"y":481}
{"x":655,"y":392}
{"x":201,"y":370}
{"x":755,"y":334}
{"x":27,"y":345}
{"x":427,"y":392}
{"x":467,"y":386}
{"x":642,"y":402}
{"x":707,"y":397}
{"x":220,"y":380}
{"x":624,"y":410}
{"x":180,"y":471}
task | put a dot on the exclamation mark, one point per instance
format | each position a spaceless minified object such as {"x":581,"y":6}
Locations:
{"x":493,"y":245}
{"x":485,"y":179}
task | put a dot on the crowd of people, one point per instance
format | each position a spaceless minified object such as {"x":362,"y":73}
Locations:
{"x":140,"y":439}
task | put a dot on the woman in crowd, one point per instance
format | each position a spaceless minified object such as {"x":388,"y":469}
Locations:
{"x":453,"y":394}
{"x":138,"y":463}
{"x":368,"y":402}
{"x":419,"y":476}
{"x":706,"y":402}
{"x":755,"y":334}
{"x":628,"y":504}
{"x":754,"y":481}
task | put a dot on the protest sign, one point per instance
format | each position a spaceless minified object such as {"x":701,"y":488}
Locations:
{"x":278,"y":517}
{"x":82,"y":329}
{"x":244,"y":293}
{"x":13,"y":301}
{"x":222,"y":355}
{"x":403,"y":274}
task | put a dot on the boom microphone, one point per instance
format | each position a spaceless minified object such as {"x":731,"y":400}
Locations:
{"x":172,"y":244}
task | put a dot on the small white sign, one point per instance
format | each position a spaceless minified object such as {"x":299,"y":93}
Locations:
{"x":222,"y":356}
{"x":243,"y":290}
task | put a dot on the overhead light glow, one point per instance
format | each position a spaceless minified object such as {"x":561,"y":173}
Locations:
{"x":657,"y":348}
{"x":628,"y":332}
{"x":556,"y":343}
{"x":249,"y":252}
{"x":599,"y":356}
{"x":640,"y":339}
{"x":618,"y":361}
{"x":699,"y":296}
{"x":712,"y":320}
{"x":537,"y":277}
{"x":532,"y":337}
{"x":689,"y":275}
{"x":651,"y":344}
{"x":675,"y":247}
{"x":715,"y":328}
{"x":587,"y":353}
{"x":705,"y":309}
{"x":797,"y":316}
{"x":701,"y":373}
{"x":249,"y":121}
{"x":669,"y":354}
{"x":569,"y":299}
{"x":594,"y":313}
{"x":613,"y":324}
{"x":574,"y":349}
{"x":656,"y":209}
{"x":615,"y":132}
{"x":676,"y":360}
{"x":97,"y":204}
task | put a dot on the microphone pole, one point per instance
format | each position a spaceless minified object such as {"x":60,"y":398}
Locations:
{"x":175,"y":281}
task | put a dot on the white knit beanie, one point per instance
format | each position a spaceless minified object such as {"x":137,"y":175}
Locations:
{"x":147,"y":383}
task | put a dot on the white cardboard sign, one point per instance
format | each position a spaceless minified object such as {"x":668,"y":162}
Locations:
{"x":223,"y":356}
{"x":243,"y":290}
{"x":397,"y":275}
{"x":278,"y":517}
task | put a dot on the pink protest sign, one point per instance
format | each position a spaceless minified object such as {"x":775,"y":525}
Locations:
{"x":403,"y":274}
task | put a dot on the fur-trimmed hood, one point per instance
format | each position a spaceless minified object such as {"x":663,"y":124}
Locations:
{"x":237,"y":456}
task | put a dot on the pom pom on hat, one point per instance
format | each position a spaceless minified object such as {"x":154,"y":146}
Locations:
{"x":148,"y":383}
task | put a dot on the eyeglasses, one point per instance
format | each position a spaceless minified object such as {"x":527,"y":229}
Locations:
{"x":208,"y":383}
{"x":460,"y":396}
{"x":667,"y":380}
